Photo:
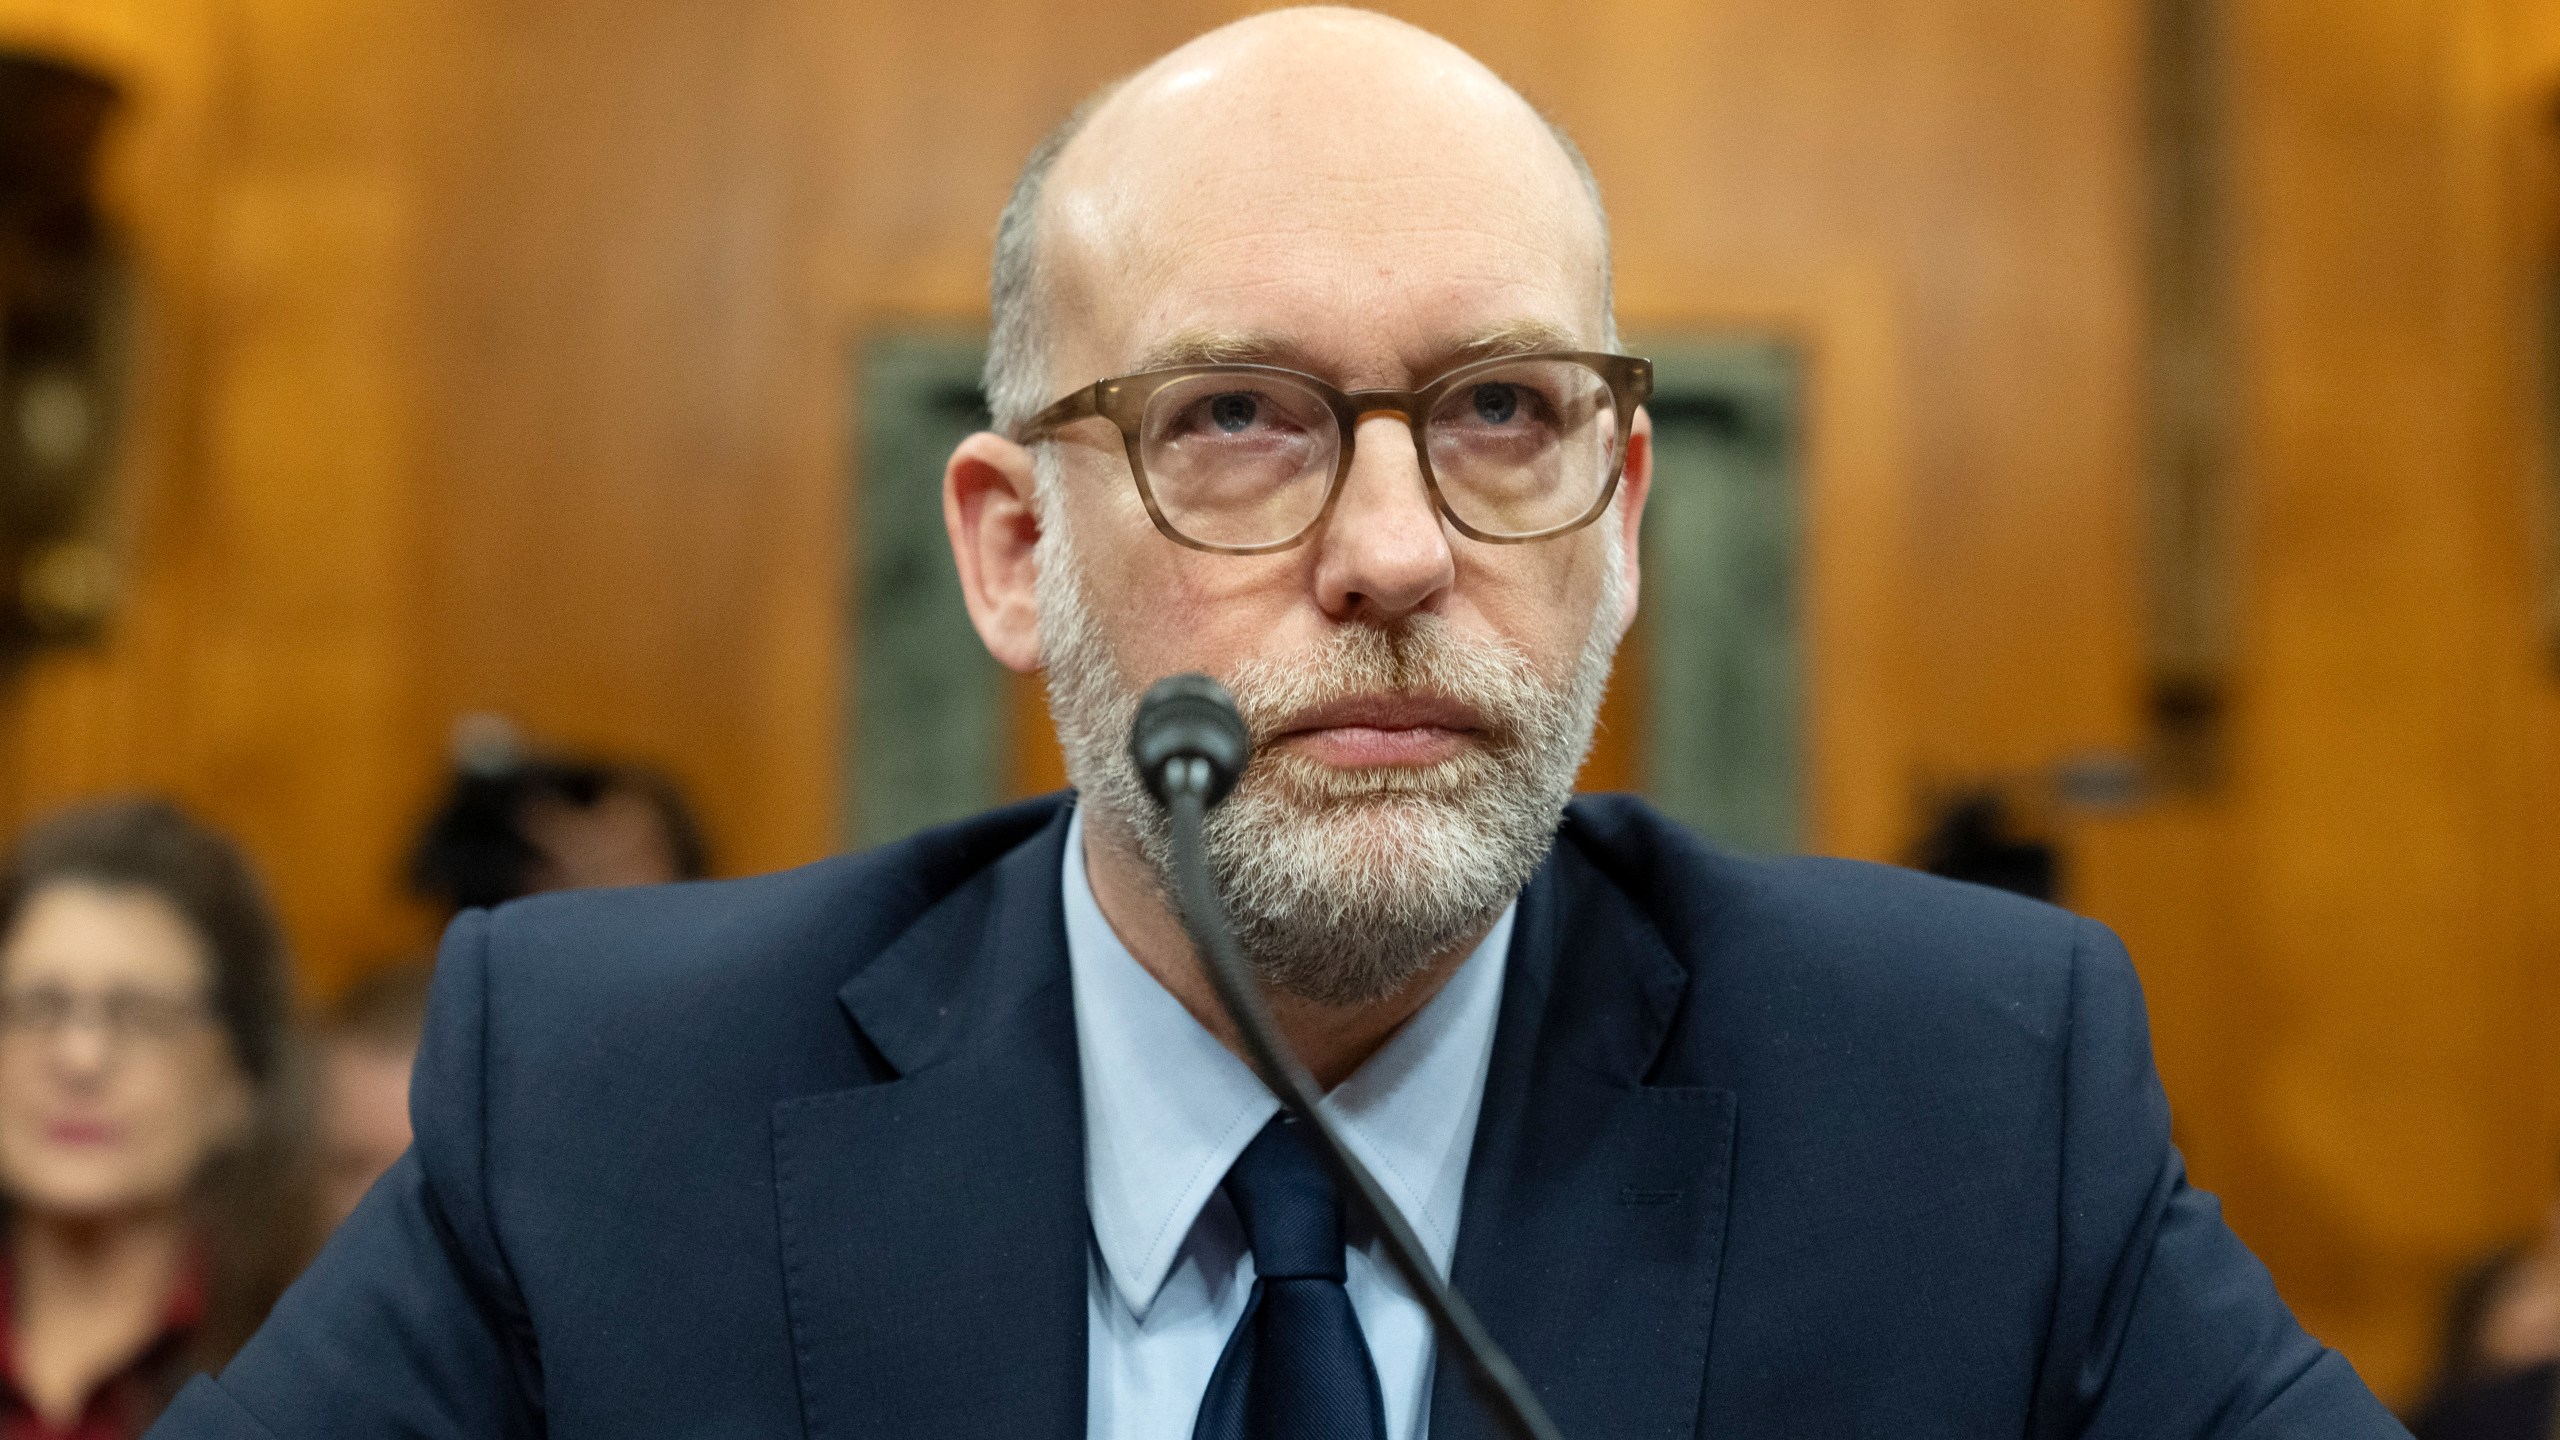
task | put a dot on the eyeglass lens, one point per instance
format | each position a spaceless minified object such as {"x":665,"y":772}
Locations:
{"x":1240,"y":458}
{"x":123,"y":1015}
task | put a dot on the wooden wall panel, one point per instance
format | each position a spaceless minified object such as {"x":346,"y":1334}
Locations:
{"x":261,"y":671}
{"x":2401,"y":711}
{"x":2350,"y":946}
{"x":500,"y":361}
{"x":630,"y":406}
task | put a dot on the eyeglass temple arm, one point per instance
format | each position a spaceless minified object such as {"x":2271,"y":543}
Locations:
{"x":1068,"y":410}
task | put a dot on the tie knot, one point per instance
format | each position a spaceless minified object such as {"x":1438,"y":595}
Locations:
{"x":1292,"y":1214}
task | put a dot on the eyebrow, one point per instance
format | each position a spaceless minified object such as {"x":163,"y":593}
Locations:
{"x":1218,"y":347}
{"x":1259,"y":347}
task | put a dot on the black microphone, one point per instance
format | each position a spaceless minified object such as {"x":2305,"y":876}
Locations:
{"x":1189,"y":720}
{"x":1190,"y":746}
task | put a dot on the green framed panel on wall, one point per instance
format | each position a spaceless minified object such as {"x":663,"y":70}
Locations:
{"x":1723,"y":748}
{"x":926,"y":730}
{"x":924,"y":705}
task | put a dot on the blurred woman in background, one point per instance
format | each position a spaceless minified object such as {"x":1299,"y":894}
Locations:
{"x":147,"y":1154}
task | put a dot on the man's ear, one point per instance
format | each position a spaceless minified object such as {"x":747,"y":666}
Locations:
{"x":987,"y":507}
{"x":1635,"y":482}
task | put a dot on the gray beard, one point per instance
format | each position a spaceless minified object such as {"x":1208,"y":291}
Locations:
{"x":1343,"y":885}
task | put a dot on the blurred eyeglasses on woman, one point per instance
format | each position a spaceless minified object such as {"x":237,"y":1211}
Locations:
{"x":1249,"y":459}
{"x":124,"y":1017}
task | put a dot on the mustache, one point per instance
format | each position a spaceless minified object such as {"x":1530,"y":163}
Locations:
{"x":1420,"y":660}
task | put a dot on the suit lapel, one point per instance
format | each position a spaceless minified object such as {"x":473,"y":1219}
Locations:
{"x":933,"y":1226}
{"x":1595,"y":1204}
{"x":934,"y":1229}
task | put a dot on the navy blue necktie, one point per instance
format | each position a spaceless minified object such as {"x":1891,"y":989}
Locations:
{"x":1296,"y":1367}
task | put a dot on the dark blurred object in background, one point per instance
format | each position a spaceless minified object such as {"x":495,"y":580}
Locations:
{"x":149,"y":1136}
{"x":514,"y":823}
{"x":2498,"y":1377}
{"x":1972,"y":837}
{"x":364,"y":1048}
{"x":62,"y":356}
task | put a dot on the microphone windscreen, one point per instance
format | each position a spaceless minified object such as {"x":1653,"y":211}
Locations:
{"x":1189,"y":716}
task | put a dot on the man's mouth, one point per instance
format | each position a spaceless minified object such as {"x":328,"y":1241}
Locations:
{"x":1377,"y":731}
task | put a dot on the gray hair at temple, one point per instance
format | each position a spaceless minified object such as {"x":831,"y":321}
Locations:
{"x":1017,"y":373}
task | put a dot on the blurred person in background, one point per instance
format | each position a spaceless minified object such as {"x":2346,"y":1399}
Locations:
{"x":365,"y":1046}
{"x":514,"y":824}
{"x":147,"y":1140}
{"x":2499,"y":1375}
{"x":511,"y":824}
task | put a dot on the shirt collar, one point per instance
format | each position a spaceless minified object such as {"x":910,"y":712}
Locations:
{"x":1167,"y":1109}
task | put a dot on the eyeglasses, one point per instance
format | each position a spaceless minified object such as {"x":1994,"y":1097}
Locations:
{"x":1249,"y":459}
{"x":124,"y":1016}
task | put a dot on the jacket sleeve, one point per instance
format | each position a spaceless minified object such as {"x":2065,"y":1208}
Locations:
{"x":410,"y":1323}
{"x":2163,"y":1323}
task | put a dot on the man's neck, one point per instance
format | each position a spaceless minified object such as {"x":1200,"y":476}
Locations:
{"x":1332,"y":1041}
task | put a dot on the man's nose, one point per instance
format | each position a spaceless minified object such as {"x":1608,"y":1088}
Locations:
{"x":1384,"y":552}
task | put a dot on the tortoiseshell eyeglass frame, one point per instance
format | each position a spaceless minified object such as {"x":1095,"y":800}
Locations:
{"x":1123,"y":401}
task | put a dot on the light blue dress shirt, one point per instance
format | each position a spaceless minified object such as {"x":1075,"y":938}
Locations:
{"x":1167,"y":1109}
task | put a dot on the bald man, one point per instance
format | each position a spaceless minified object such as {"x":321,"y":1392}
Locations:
{"x":1303,"y":375}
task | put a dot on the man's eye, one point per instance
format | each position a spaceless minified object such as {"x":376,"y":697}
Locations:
{"x":1232,"y":413}
{"x":1497,"y":404}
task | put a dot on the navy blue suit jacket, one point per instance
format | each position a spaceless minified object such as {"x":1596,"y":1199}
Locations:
{"x":1768,"y":1148}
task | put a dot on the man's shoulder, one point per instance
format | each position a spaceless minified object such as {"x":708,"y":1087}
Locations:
{"x":1835,"y":942}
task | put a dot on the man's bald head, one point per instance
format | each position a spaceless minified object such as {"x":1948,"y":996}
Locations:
{"x":1331,"y":94}
{"x":1341,"y":195}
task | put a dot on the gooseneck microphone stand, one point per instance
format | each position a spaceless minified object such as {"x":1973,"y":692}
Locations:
{"x":1190,"y":745}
